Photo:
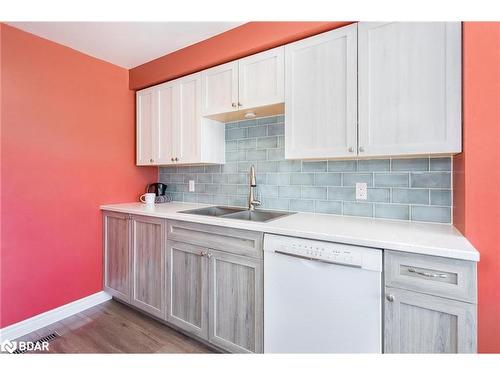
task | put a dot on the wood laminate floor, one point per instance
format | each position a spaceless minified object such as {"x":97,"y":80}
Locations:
{"x":112,"y":327}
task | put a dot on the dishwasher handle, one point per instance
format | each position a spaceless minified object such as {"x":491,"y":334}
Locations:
{"x":317,"y":260}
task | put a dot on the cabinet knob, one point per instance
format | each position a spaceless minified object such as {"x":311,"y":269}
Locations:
{"x":351,"y":149}
{"x":151,"y":160}
{"x":176,"y":159}
{"x":233,"y":105}
{"x":172,"y":159}
{"x":361,"y":149}
{"x":209,"y":255}
{"x":203,"y":253}
{"x":240,"y":105}
{"x":390,"y":298}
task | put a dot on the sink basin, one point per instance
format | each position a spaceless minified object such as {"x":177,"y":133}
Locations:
{"x":213,"y":211}
{"x":238,"y":213}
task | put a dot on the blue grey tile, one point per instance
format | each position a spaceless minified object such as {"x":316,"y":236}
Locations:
{"x":314,"y":166}
{"x":256,"y":155}
{"x":391,"y":179}
{"x":189,"y":177}
{"x":350,"y":179}
{"x":374,"y":165}
{"x":301,"y":205}
{"x":244,"y":166}
{"x":219,"y":178}
{"x":179,"y":177}
{"x":341,"y":194}
{"x":290,"y":166}
{"x":328,"y":179}
{"x":212,"y":188}
{"x":266,"y":166}
{"x":431,"y":179}
{"x":267,"y":120}
{"x":245,"y":144}
{"x":342,"y":165}
{"x":276,"y":154}
{"x":189,"y":197}
{"x":199,"y":188}
{"x":236,"y":134}
{"x":276,"y":129}
{"x":413,"y":196}
{"x":247,"y":123}
{"x":431,"y":213}
{"x":178,"y":197}
{"x":289,"y":191}
{"x":257,"y":131}
{"x":415,"y":164}
{"x":276,"y":204}
{"x":236,"y":178}
{"x":220,"y":200}
{"x":196,"y":169}
{"x":230,"y":167}
{"x":168,"y":170}
{"x":231,"y":125}
{"x":302,"y":179}
{"x":235,"y":155}
{"x":165,"y":178}
{"x":278,"y":179}
{"x":229,"y":189}
{"x":268,"y":191}
{"x":243,"y":190}
{"x":441,"y":164}
{"x":237,"y":201}
{"x":358,"y":209}
{"x":378,"y":195}
{"x":205,"y":198}
{"x":328,"y":207}
{"x":281,"y":141}
{"x":267,"y":142}
{"x":312,"y":192}
{"x":392,"y":211}
{"x":213,"y":168}
{"x":280,"y":118}
{"x":205,"y":178}
{"x":231,"y":145}
{"x":441,"y":197}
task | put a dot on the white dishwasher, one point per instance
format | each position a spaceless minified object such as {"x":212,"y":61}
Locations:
{"x":321,"y":297}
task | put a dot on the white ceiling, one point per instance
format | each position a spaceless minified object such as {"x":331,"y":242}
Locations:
{"x":126,"y":44}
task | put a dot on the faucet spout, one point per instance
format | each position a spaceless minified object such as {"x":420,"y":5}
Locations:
{"x":252,"y":202}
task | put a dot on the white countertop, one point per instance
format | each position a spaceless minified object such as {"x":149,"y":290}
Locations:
{"x":420,"y":238}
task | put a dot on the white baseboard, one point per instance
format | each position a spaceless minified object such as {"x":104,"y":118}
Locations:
{"x":29,"y":325}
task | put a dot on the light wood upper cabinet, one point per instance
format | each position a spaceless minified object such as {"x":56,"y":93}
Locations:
{"x":409,"y":88}
{"x":261,"y":79}
{"x":321,"y":95}
{"x":220,"y":89}
{"x":170,"y":129}
{"x":147,"y":264}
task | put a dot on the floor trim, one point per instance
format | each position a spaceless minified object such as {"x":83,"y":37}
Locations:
{"x":36,"y":322}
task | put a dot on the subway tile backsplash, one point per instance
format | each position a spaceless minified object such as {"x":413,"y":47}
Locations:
{"x":417,"y":189}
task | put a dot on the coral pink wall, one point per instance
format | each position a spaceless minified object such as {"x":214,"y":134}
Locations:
{"x":233,"y":44}
{"x":477,"y":171}
{"x":67,"y":142}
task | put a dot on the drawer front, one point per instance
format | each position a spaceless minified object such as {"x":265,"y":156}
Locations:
{"x":231,"y":240}
{"x":444,"y":277}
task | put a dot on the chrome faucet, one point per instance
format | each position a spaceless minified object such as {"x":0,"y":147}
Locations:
{"x":252,"y":202}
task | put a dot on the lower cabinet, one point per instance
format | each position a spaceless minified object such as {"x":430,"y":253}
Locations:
{"x":236,"y":302}
{"x":421,"y":323}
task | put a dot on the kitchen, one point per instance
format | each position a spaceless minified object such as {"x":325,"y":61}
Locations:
{"x":313,"y":188}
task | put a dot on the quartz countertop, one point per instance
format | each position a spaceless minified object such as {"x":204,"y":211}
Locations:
{"x":420,"y":238}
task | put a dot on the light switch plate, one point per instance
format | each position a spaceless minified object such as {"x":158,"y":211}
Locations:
{"x":191,"y":185}
{"x":361,"y":191}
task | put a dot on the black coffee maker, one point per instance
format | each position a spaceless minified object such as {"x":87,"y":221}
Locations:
{"x":158,"y":188}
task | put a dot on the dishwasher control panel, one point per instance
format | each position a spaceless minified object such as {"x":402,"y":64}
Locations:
{"x":329,"y":252}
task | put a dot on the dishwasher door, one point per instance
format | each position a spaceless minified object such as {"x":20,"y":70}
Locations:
{"x":312,"y":306}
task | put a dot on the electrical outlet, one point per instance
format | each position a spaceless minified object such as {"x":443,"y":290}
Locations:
{"x":361,"y":190}
{"x":191,"y":185}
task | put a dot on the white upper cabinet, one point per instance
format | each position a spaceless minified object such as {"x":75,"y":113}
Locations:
{"x":170,"y":129}
{"x":145,"y":125}
{"x":220,"y":89}
{"x":409,"y":88}
{"x":261,"y":79}
{"x":320,"y":95}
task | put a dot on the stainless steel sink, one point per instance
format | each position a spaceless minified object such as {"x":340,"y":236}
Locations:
{"x":213,"y":211}
{"x":238,"y":213}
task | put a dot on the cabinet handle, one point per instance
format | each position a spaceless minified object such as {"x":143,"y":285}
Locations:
{"x":361,"y":149}
{"x":351,"y":149}
{"x":426,"y":274}
{"x":390,"y":298}
{"x":233,"y":105}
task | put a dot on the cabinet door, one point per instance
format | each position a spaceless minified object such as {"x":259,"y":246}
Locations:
{"x":166,"y":96}
{"x":187,"y":293}
{"x":187,"y":130}
{"x":409,"y":88}
{"x":116,"y":238}
{"x":145,"y":124}
{"x":220,"y":89}
{"x":261,"y":79}
{"x":321,"y":95}
{"x":236,"y":302}
{"x":147,"y":268}
{"x":420,"y":323}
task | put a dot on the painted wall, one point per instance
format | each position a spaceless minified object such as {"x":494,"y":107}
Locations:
{"x":477,"y":170}
{"x":67,"y":142}
{"x":241,"y":41}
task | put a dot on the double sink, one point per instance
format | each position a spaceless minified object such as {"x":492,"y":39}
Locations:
{"x":238,"y":213}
